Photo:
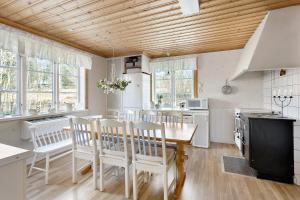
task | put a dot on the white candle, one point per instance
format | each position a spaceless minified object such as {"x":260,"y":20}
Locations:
{"x":291,"y":92}
{"x":278,"y":94}
{"x":274,"y":93}
{"x":285,"y":92}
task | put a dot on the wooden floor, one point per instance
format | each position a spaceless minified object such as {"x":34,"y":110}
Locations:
{"x":205,"y":181}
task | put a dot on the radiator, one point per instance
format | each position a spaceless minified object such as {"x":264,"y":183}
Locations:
{"x":25,"y":134}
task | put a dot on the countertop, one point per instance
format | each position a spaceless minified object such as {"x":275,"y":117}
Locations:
{"x":178,"y":109}
{"x":9,"y":154}
{"x":266,"y":116}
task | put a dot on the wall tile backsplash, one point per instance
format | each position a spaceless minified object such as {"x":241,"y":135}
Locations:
{"x":289,"y":83}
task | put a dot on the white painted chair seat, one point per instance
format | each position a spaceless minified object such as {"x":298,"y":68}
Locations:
{"x":170,"y":154}
{"x":52,"y":148}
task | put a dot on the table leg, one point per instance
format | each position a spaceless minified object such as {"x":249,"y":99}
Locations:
{"x":180,"y":168}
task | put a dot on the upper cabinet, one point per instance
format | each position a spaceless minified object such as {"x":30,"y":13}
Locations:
{"x":135,"y":64}
{"x":274,"y":45}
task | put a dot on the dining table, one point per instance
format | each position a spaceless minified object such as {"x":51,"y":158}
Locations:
{"x":179,"y":133}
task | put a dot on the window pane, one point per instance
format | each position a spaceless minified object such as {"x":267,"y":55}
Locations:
{"x":68,"y":86}
{"x":41,"y":102}
{"x":39,"y":85}
{"x":39,"y":81}
{"x":163,"y":87}
{"x":35,"y":64}
{"x":68,"y":70}
{"x":8,"y":79}
{"x":8,"y":83}
{"x":183,"y":85}
{"x":8,"y":103}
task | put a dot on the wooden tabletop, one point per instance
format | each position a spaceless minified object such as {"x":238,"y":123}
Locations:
{"x":174,"y":133}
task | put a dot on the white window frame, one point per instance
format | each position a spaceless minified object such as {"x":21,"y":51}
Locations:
{"x":173,"y":87}
{"x":21,"y":86}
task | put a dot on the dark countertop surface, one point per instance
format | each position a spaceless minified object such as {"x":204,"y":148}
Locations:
{"x":266,"y":116}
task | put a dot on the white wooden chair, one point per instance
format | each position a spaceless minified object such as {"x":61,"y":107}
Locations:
{"x":49,"y":140}
{"x":128,"y":115}
{"x":148,"y":156}
{"x":84,"y":145}
{"x":172,"y":117}
{"x":150,"y":116}
{"x":113,"y":148}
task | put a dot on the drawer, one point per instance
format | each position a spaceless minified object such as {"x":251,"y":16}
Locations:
{"x":297,"y":156}
{"x":297,"y":144}
{"x":297,"y":131}
{"x":297,"y":168}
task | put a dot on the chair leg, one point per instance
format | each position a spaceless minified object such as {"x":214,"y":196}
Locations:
{"x":175,"y":175}
{"x":32,"y":164}
{"x":95,"y":173}
{"x":74,"y":168}
{"x":101,"y":174}
{"x":134,"y":176}
{"x":47,"y":168}
{"x":127,"y":182}
{"x":165,"y":184}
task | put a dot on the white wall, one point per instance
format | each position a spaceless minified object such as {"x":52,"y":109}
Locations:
{"x":97,"y":102}
{"x":214,"y":69}
{"x":290,"y":81}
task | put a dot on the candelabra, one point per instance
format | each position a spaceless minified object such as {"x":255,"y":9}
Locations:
{"x":282,"y":101}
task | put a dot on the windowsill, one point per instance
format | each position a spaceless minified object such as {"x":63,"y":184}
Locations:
{"x":37,"y":116}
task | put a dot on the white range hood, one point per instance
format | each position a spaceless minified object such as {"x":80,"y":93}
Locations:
{"x":274,"y":45}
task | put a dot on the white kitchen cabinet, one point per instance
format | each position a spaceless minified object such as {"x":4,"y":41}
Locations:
{"x":13,"y":172}
{"x":201,"y":136}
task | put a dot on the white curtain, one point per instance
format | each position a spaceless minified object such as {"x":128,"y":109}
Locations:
{"x":173,"y":64}
{"x":8,"y":41}
{"x":34,"y":46}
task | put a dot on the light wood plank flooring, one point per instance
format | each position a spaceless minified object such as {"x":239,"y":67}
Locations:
{"x":205,"y":181}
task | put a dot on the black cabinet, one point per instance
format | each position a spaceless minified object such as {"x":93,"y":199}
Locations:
{"x":269,"y":148}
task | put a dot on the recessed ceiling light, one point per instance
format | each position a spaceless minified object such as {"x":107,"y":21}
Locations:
{"x":189,"y":7}
{"x":71,"y":29}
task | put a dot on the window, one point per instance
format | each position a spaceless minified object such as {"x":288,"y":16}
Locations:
{"x":174,"y":87}
{"x":183,"y":85}
{"x":8,"y":83}
{"x":39,"y":85}
{"x":68,"y":85}
{"x":173,"y":80}
{"x":163,"y":87}
{"x":48,"y":86}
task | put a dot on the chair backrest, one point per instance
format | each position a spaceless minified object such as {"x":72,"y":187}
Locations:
{"x":144,"y":138}
{"x":111,"y":111}
{"x":49,"y":132}
{"x":150,"y":116}
{"x":128,"y":115}
{"x":83,"y":133}
{"x":172,"y":117}
{"x":112,"y":137}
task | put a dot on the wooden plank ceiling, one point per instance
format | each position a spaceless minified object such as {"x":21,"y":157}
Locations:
{"x":155,"y":27}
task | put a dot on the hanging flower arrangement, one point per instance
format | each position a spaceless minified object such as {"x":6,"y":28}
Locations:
{"x":111,"y":86}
